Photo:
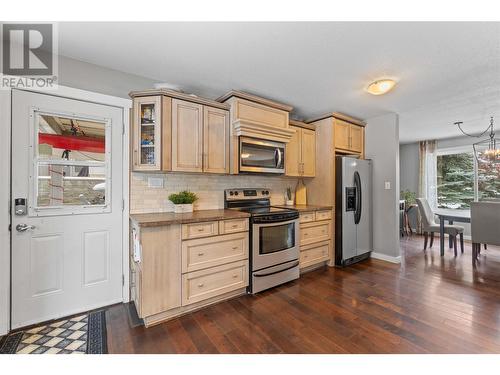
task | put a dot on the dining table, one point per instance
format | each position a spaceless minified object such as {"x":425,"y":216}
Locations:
{"x":450,"y":216}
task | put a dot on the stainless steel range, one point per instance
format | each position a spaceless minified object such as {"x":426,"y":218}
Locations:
{"x":274,"y":237}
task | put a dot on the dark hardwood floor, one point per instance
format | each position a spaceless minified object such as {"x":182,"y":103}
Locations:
{"x":428,"y":304}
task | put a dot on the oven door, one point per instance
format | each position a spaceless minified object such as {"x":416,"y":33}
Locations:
{"x":274,"y":243}
{"x":261,"y":156}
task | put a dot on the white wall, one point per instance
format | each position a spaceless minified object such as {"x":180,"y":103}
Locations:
{"x":382,"y":146}
{"x":95,"y":78}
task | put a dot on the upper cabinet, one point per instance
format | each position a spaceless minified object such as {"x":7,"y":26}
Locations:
{"x":147,"y":146}
{"x":342,"y":135}
{"x":255,"y":117}
{"x":300,"y":156}
{"x":348,"y":137}
{"x":187,"y":136}
{"x":215,"y":140}
{"x":177,"y":132}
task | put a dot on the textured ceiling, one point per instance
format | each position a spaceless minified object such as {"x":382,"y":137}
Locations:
{"x":446,"y":71}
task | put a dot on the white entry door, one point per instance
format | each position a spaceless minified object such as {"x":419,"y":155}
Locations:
{"x":67,"y":237}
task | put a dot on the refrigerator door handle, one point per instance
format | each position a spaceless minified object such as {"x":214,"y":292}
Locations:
{"x":357,"y":185}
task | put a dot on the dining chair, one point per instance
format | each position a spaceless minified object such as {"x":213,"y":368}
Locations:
{"x":429,"y":226}
{"x":484,"y":225}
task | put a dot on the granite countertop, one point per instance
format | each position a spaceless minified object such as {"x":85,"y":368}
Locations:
{"x":308,"y":207}
{"x":167,"y":218}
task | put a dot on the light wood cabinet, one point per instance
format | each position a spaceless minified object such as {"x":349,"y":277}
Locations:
{"x":175,"y":132}
{"x":215,"y":140}
{"x":348,"y":137}
{"x":187,"y":136}
{"x":209,"y":252}
{"x":300,"y":157}
{"x":308,"y":153}
{"x":357,"y":133}
{"x":157,"y":282}
{"x":184,"y":267}
{"x":202,"y":285}
{"x":151,"y":134}
{"x":315,"y":238}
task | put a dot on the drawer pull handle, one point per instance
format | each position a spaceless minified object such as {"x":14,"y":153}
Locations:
{"x":305,"y":234}
{"x":201,"y":229}
{"x":235,"y":247}
{"x":200,"y":285}
{"x":235,"y":276}
{"x":201,"y":254}
{"x":234,"y":226}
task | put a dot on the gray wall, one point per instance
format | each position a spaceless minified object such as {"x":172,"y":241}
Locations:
{"x":382,"y":145}
{"x":85,"y":76}
{"x":408,"y":167}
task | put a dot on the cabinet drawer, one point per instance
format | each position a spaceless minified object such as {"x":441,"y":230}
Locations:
{"x":214,"y":251}
{"x":197,"y":230}
{"x":233,"y":226}
{"x":315,"y":232}
{"x":323,"y":215}
{"x":306,"y":217}
{"x":200,"y":285}
{"x":317,"y":253}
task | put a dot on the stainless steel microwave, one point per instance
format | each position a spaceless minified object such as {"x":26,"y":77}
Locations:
{"x":261,"y":156}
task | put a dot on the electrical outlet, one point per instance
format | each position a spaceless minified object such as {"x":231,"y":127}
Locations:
{"x":155,"y":182}
{"x":388,"y":185}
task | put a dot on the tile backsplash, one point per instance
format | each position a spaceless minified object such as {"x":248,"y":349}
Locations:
{"x":209,"y":188}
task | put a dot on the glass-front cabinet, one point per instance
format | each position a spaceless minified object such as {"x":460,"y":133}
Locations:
{"x":147,"y":133}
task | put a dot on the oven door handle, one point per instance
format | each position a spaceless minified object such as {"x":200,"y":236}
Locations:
{"x":275,"y":272}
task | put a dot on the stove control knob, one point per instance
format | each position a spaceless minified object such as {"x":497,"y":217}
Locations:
{"x":235,"y":193}
{"x":267,"y":192}
{"x":231,"y":193}
{"x":263,"y":192}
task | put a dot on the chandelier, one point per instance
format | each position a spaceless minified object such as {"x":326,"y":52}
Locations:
{"x":487,"y":150}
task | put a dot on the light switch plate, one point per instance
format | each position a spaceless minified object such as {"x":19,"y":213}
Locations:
{"x":388,"y":185}
{"x":155,"y":182}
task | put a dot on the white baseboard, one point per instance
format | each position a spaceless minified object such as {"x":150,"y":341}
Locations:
{"x":386,"y":258}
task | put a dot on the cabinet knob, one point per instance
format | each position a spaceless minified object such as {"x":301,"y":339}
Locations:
{"x":201,"y":229}
{"x":235,"y":276}
{"x":201,"y":254}
{"x":200,"y":285}
{"x":234,"y":226}
{"x":235,"y":247}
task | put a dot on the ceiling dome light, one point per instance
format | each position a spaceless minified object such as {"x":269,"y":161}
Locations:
{"x":381,"y":86}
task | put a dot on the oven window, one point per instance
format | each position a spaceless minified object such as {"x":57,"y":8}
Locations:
{"x":276,"y":238}
{"x":258,"y":156}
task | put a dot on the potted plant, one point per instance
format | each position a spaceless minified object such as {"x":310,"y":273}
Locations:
{"x":289,"y":199}
{"x":183,"y":201}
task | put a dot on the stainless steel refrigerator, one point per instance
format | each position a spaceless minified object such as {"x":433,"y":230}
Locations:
{"x":353,"y":210}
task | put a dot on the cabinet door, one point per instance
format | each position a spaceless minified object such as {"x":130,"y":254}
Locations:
{"x":356,"y":138}
{"x":187,"y":136}
{"x":293,"y":153}
{"x":215,"y":140}
{"x":160,"y":279}
{"x":308,"y":153}
{"x":342,"y":134}
{"x":147,"y":134}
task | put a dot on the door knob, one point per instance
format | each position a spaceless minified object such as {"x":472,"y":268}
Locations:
{"x":24,"y":227}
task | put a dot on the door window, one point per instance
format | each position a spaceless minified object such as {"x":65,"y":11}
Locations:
{"x":71,"y":164}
